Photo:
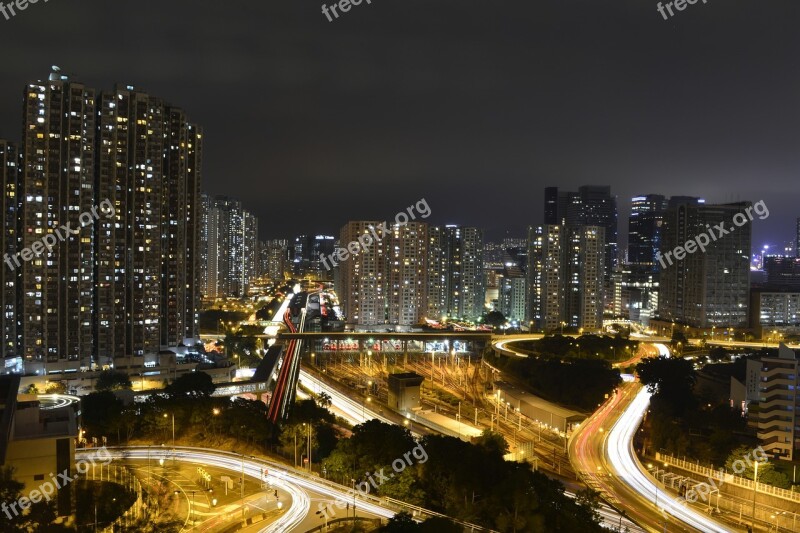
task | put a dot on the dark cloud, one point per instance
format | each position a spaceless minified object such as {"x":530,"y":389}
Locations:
{"x":474,"y":105}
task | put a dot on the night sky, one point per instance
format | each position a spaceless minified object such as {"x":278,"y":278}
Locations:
{"x":475,"y":106}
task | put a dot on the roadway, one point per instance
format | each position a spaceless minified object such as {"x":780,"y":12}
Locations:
{"x":602,"y":449}
{"x":300,"y":487}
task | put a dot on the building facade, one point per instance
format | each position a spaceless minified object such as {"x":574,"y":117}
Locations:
{"x":112,"y":180}
{"x":712,"y":288}
{"x":565,"y":277}
{"x":232,"y":248}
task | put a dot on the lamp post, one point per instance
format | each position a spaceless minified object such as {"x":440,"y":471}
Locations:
{"x":173,"y":429}
{"x":354,"y":497}
{"x":755,"y":490}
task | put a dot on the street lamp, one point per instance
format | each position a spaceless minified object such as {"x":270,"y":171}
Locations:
{"x":354,"y":496}
{"x":173,"y":429}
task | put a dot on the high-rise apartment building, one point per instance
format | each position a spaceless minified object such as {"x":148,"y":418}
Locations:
{"x":274,"y":258}
{"x":232,"y":248}
{"x":770,"y":399}
{"x":407,"y":273}
{"x":456,"y":282}
{"x":565,"y":276}
{"x":113,"y":180}
{"x":149,"y":157}
{"x":797,"y":239}
{"x":362,"y":279}
{"x":57,"y":185}
{"x":384,"y":282}
{"x":711,"y":288}
{"x":9,"y":275}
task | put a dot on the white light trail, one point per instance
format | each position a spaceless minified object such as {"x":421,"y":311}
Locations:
{"x":623,"y":460}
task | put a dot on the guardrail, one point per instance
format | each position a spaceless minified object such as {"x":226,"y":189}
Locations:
{"x":729,"y":478}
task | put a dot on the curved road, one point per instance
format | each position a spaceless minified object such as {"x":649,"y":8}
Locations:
{"x":293,"y":482}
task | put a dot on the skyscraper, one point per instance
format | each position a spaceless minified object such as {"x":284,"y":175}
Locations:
{"x":57,"y":185}
{"x":708,"y":288}
{"x":407,"y":273}
{"x":644,"y":229}
{"x":565,"y":276}
{"x":384,"y":282}
{"x":180,"y":227}
{"x":361,"y":280}
{"x":591,"y":205}
{"x":9,"y":275}
{"x":149,"y":158}
{"x":111,"y":181}
{"x":274,"y":258}
{"x":797,"y":239}
{"x":232,"y":248}
{"x":456,"y":283}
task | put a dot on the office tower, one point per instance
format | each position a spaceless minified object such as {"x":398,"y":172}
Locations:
{"x":301,"y":255}
{"x":148,"y":167}
{"x":782,"y":272}
{"x":591,"y":205}
{"x":644,"y":229}
{"x":9,"y":274}
{"x":708,"y":288}
{"x":361,"y":279}
{"x":556,"y":205}
{"x":232,"y":248}
{"x":407,"y":274}
{"x":57,"y":186}
{"x":321,"y":246}
{"x":565,"y":276}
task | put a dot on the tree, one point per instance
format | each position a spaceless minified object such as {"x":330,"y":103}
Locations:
{"x":402,"y":522}
{"x":324,"y":399}
{"x":56,"y":387}
{"x":495,"y":319}
{"x":438,"y":524}
{"x":671,"y":380}
{"x":741,"y":462}
{"x":492,"y":442}
{"x":101,"y":413}
{"x":111,"y":380}
{"x":192,"y":385}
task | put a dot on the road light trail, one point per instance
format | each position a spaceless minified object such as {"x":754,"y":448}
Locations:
{"x":354,"y":411}
{"x":282,"y":478}
{"x":623,"y":461}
